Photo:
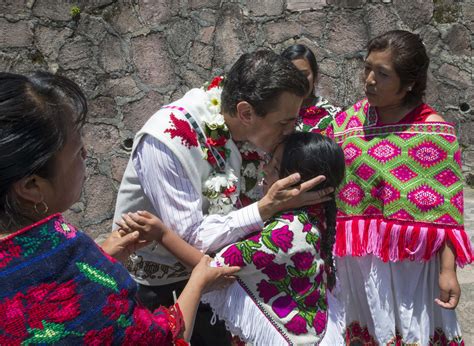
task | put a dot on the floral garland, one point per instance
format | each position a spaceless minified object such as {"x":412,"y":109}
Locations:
{"x":221,"y":186}
{"x":253,"y":160}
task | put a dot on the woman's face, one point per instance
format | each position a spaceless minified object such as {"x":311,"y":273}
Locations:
{"x":382,"y":84}
{"x":303,"y":65}
{"x":272,"y":168}
{"x":64,"y":188}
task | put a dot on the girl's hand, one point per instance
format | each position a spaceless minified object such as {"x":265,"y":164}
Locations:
{"x":449,"y":290}
{"x":206,"y":278}
{"x":148,"y":225}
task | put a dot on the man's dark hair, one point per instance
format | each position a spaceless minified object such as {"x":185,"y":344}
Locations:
{"x":260,"y":78}
{"x":36,"y":116}
{"x":409,"y":59}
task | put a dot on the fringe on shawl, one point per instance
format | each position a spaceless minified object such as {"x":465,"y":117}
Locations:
{"x":242,"y":316}
{"x":394,"y":241}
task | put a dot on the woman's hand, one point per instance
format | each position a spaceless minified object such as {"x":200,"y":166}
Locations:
{"x":148,"y":225}
{"x":284,"y":195}
{"x":449,"y":290}
{"x":206,"y":278}
{"x":121,"y":245}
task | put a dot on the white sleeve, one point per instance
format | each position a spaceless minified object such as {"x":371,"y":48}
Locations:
{"x":179,"y":205}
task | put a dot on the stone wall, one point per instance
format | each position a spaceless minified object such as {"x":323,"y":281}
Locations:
{"x":131,"y":57}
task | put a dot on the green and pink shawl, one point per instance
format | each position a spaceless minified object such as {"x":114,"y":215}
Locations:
{"x":402,"y":197}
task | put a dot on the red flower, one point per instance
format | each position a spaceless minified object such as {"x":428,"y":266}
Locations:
{"x":215,"y":82}
{"x":219,"y":142}
{"x":12,"y":324}
{"x":51,"y":302}
{"x":141,"y":332}
{"x":99,"y":337}
{"x":275,"y":272}
{"x":8,"y":251}
{"x":211,"y":159}
{"x":266,"y":290}
{"x":233,"y":256}
{"x":320,"y":322}
{"x":282,"y":237}
{"x":251,"y":156}
{"x":117,"y":304}
{"x":229,"y":191}
{"x":262,"y":259}
{"x":300,"y":285}
{"x":303,"y":260}
{"x":297,"y":325}
{"x":312,"y":299}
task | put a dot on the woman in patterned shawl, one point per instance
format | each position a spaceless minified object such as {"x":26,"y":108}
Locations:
{"x":316,"y":112}
{"x":56,"y":285}
{"x":400,"y":232}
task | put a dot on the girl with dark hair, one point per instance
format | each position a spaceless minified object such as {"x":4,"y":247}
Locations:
{"x":400,"y":232}
{"x":56,"y":284}
{"x":316,"y":112}
{"x":281,"y":296}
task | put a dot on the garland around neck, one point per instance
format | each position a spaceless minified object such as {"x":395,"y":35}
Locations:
{"x":221,"y":186}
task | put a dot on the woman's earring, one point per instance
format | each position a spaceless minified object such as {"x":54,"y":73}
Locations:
{"x":409,"y":88}
{"x":43,"y":205}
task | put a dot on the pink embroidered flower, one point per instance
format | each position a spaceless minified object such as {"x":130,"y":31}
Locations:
{"x":64,"y":228}
{"x":141,"y":331}
{"x":311,"y":116}
{"x":300,"y":285}
{"x":8,"y":251}
{"x":266,"y":290}
{"x":312,"y":299}
{"x":303,"y":260}
{"x":320,"y":322}
{"x":282,"y":306}
{"x":282,"y":237}
{"x":233,"y":256}
{"x":262,"y":259}
{"x":275,"y":272}
{"x":307,"y":227}
{"x":319,"y":277}
{"x":288,"y":216}
{"x":255,"y":237}
{"x":99,"y":337}
{"x":117,"y":304}
{"x":297,"y":325}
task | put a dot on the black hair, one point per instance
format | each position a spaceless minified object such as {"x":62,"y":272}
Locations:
{"x":259,"y":78}
{"x":409,"y":60}
{"x":312,"y":154}
{"x":300,"y":51}
{"x":36,"y":114}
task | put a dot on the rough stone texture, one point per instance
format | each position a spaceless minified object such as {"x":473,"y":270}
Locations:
{"x":265,"y":7}
{"x":130,"y":57}
{"x":152,"y":61}
{"x":14,"y":34}
{"x":302,"y":5}
{"x":414,"y":13}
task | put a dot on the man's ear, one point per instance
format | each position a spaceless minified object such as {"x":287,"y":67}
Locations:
{"x":30,"y":189}
{"x":245,"y":113}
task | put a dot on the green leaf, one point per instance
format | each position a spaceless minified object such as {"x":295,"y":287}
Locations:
{"x":311,"y":271}
{"x":270,"y":227}
{"x":97,"y":276}
{"x":123,"y":322}
{"x":246,"y":253}
{"x":266,"y":240}
{"x":303,"y":218}
{"x":51,"y":333}
{"x":253,"y":244}
{"x":311,"y":238}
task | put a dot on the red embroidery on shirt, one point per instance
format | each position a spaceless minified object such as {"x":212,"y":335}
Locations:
{"x":182,"y":129}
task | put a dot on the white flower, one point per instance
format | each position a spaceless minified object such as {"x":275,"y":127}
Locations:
{"x":214,"y":100}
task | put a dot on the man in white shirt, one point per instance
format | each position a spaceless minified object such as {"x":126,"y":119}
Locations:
{"x":166,"y":174}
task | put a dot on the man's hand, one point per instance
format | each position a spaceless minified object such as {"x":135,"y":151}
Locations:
{"x":284,"y":195}
{"x":149,"y":226}
{"x":121,"y":245}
